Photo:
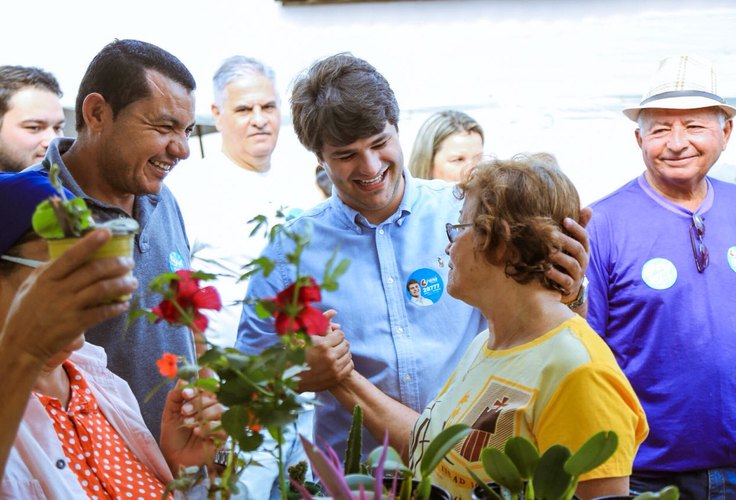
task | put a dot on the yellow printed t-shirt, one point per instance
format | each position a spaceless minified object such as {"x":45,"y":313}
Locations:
{"x":561,"y":388}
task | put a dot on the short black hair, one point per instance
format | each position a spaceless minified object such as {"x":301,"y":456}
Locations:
{"x":118,"y":73}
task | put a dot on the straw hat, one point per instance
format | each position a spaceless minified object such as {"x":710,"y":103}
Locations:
{"x":682,"y":82}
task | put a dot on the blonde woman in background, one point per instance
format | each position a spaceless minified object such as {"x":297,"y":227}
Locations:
{"x":448,"y":144}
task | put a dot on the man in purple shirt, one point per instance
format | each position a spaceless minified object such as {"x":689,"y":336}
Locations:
{"x":661,"y":285}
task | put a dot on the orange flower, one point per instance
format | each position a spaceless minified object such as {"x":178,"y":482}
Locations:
{"x":252,"y":422}
{"x":168,"y":365}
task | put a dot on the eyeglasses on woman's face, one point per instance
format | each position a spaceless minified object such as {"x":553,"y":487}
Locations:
{"x":453,"y":230}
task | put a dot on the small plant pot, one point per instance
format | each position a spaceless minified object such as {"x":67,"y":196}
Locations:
{"x":435,"y":492}
{"x":120,"y":245}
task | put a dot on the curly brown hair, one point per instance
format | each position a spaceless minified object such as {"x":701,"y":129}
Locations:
{"x":521,"y":203}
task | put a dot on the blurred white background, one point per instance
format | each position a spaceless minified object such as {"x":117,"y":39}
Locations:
{"x":541,"y":75}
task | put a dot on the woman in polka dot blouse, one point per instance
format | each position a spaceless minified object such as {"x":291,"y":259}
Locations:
{"x":82,"y":433}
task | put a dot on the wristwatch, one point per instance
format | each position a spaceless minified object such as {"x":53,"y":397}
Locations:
{"x":582,"y":295}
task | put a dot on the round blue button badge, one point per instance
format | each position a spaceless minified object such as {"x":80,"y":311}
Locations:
{"x":424,"y":287}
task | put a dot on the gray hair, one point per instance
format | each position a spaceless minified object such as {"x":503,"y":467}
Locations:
{"x":236,"y":67}
{"x":645,"y":114}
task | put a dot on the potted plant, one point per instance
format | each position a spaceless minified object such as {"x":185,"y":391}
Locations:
{"x":520,"y":472}
{"x":259,"y":391}
{"x":383,"y":470}
{"x":61,"y":221}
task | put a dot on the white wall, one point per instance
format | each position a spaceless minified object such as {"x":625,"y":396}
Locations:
{"x":539,"y":75}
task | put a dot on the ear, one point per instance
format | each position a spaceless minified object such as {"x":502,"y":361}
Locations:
{"x":216,"y":114}
{"x":96,"y":112}
{"x":637,"y":133}
{"x":727,"y":128}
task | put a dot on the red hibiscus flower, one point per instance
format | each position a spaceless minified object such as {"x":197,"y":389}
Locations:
{"x":299,"y":317}
{"x":168,"y":365}
{"x":188,"y":300}
{"x":307,"y":293}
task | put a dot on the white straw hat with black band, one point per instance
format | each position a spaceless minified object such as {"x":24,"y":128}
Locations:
{"x":682,"y":82}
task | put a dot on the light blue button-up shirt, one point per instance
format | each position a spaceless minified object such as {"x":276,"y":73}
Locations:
{"x":405,"y":349}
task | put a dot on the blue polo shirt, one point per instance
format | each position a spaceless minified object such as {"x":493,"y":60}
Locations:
{"x":161,"y":246}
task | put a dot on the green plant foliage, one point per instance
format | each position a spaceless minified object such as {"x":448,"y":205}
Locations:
{"x":355,"y":443}
{"x":594,"y":452}
{"x":550,"y":479}
{"x":441,"y":444}
{"x":523,"y":454}
{"x":502,"y":469}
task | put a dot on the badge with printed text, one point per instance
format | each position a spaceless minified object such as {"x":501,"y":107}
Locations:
{"x":424,"y":287}
{"x":659,"y":273}
{"x":176,"y":261}
{"x":731,"y":258}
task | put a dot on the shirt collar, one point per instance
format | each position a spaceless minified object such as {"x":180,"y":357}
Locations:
{"x":355,"y":221}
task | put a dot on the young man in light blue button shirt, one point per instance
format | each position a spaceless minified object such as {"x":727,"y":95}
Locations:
{"x":392,"y":228}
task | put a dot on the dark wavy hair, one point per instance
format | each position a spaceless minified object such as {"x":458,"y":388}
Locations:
{"x":521,"y":203}
{"x":339,"y":100}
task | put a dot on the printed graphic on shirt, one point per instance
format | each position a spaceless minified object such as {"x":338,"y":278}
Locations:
{"x":659,"y":273}
{"x":424,"y":287}
{"x":176,"y":261}
{"x":731,"y":257}
{"x":493,"y":417}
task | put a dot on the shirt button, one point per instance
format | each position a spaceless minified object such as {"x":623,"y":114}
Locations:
{"x":407,"y":378}
{"x":60,"y":464}
{"x":380,"y":231}
{"x":400,"y":330}
{"x":390,"y":280}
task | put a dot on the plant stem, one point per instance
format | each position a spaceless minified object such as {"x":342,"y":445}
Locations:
{"x":282,"y":476}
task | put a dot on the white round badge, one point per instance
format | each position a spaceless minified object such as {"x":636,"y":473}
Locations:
{"x":731,"y":257}
{"x":659,"y":273}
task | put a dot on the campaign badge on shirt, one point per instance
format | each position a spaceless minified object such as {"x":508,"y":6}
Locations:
{"x":659,"y":273}
{"x":731,"y":257}
{"x":424,"y":287}
{"x":176,"y":261}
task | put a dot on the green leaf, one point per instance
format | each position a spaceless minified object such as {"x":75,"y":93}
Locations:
{"x":208,"y":384}
{"x":355,"y":481}
{"x":594,"y":452}
{"x":486,"y":489}
{"x":393,"y":460}
{"x":550,"y":479}
{"x":440,"y":446}
{"x":666,"y":493}
{"x":501,"y":469}
{"x":523,"y":454}
{"x":341,"y":268}
{"x":262,"y":309}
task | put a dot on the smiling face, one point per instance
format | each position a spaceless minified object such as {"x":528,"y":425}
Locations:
{"x":140,"y":146}
{"x":34,"y":117}
{"x":367,"y":174}
{"x":414,"y":290}
{"x":680,"y":146}
{"x":249,"y":119}
{"x":468,"y":269}
{"x":456,"y":154}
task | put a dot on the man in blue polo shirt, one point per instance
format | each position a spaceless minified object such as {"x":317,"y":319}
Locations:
{"x":662,"y":277}
{"x":135,"y":111}
{"x":392,"y":228}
